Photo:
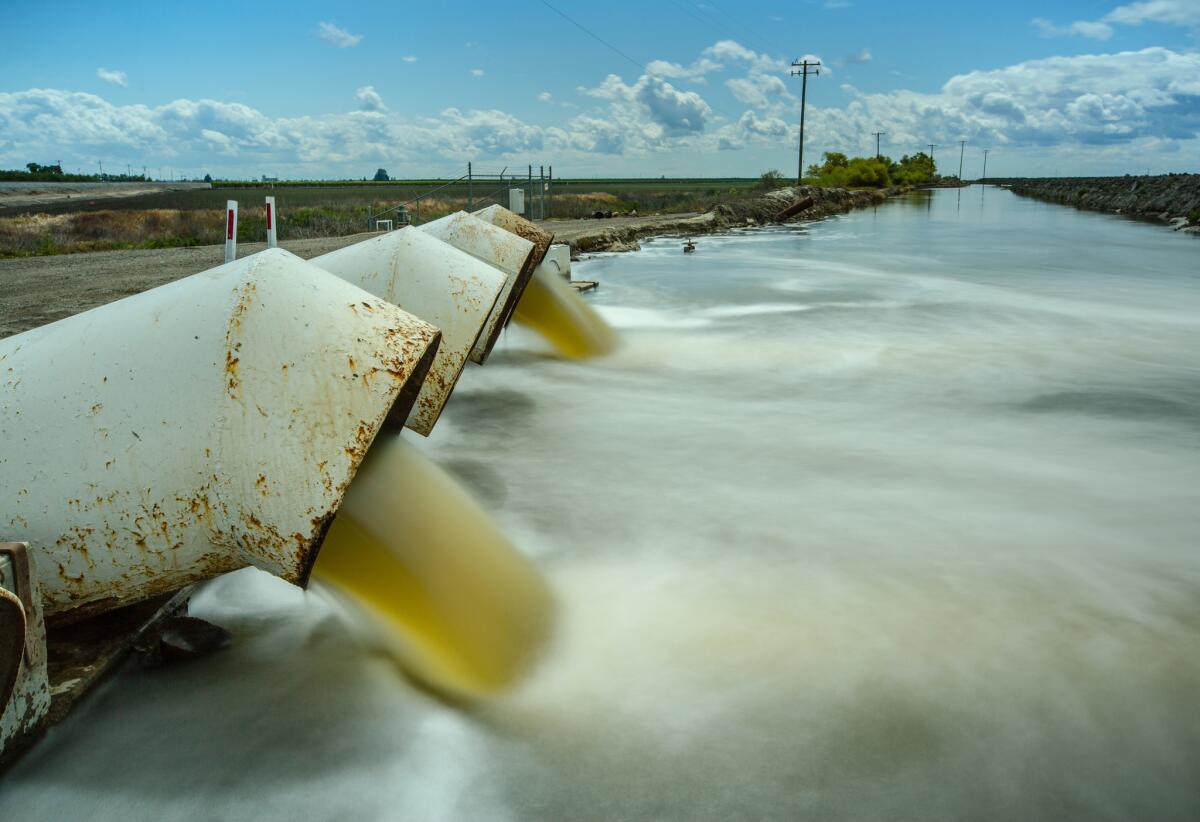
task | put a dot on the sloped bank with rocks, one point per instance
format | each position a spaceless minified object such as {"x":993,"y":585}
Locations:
{"x":623,"y":233}
{"x":1169,"y":198}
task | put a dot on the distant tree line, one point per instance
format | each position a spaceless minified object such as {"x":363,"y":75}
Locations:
{"x":840,"y":171}
{"x":35,"y":172}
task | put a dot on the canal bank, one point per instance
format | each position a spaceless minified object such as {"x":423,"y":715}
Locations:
{"x":890,"y":516}
{"x":1168,"y":198}
{"x":624,"y":233}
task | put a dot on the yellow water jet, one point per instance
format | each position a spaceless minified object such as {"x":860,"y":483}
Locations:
{"x":466,"y":613}
{"x":553,"y":309}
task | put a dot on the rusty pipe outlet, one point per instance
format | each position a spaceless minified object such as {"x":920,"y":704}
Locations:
{"x":434,"y":281}
{"x":196,"y":428}
{"x":12,"y":643}
{"x":24,"y":684}
{"x":501,"y":249}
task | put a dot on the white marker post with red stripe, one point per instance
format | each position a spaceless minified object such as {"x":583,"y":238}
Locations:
{"x":230,"y":231}
{"x":272,"y":240}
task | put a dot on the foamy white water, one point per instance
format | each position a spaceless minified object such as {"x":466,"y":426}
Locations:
{"x":893,"y":516}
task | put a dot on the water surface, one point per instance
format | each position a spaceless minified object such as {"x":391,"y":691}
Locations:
{"x":892,"y":516}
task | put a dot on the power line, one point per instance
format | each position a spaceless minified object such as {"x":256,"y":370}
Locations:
{"x":593,"y":35}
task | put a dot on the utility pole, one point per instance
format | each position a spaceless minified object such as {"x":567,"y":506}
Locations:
{"x":985,"y":154}
{"x":962,"y":146}
{"x":806,"y":68}
{"x":878,"y":134}
{"x":932,"y":146}
{"x":470,"y":190}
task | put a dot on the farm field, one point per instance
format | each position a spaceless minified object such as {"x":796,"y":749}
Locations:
{"x":194,"y":217}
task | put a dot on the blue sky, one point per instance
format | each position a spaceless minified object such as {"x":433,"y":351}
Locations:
{"x":700,"y":87}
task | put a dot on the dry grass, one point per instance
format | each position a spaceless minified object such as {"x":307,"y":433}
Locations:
{"x":40,"y":234}
{"x":101,"y":230}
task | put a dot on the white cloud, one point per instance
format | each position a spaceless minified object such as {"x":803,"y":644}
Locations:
{"x":731,"y":51}
{"x":477,"y":72}
{"x":338,"y":36}
{"x":1168,"y":12}
{"x":652,"y":110}
{"x":756,"y":89}
{"x":1145,"y":100}
{"x":1095,"y":30}
{"x":114,"y":77}
{"x":369,"y":99}
{"x":861,"y":58}
{"x":1185,"y":13}
{"x":696,"y":72}
{"x":1082,"y":100}
{"x":409,"y":58}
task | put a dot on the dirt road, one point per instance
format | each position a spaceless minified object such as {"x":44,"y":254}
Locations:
{"x":21,"y":196}
{"x":39,"y":290}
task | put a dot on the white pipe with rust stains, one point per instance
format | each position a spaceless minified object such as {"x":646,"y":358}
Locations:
{"x":514,"y":223}
{"x":434,"y":281}
{"x":196,"y":428}
{"x":501,"y":249}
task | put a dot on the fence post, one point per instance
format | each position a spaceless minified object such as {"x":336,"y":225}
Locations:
{"x":230,"y":231}
{"x":272,"y":238}
{"x":550,"y":185}
{"x":470,"y":192}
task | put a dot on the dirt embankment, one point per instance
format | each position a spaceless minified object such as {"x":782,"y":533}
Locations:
{"x":20,"y":195}
{"x":38,"y":290}
{"x":623,"y":233}
{"x":1169,"y":198}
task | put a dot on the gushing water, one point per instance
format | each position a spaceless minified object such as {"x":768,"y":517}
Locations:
{"x":892,"y":516}
{"x":571,"y":326}
{"x":459,"y":607}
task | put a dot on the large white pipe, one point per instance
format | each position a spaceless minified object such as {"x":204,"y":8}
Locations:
{"x":434,"y":281}
{"x":498,"y":248}
{"x":514,"y":223}
{"x":196,"y":428}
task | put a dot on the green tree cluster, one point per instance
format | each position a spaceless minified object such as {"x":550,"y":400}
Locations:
{"x":36,"y":172}
{"x":840,"y":171}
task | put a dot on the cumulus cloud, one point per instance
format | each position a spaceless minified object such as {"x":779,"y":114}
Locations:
{"x":1086,"y":99}
{"x":756,"y":89}
{"x":652,"y":109}
{"x":731,"y":51}
{"x":369,"y":99}
{"x":1184,"y":13}
{"x":1168,"y":12}
{"x":338,"y":36}
{"x":1104,"y":101}
{"x":695,"y":72}
{"x":115,"y":77}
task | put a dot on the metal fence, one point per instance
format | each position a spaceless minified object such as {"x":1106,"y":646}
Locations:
{"x":481,"y":188}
